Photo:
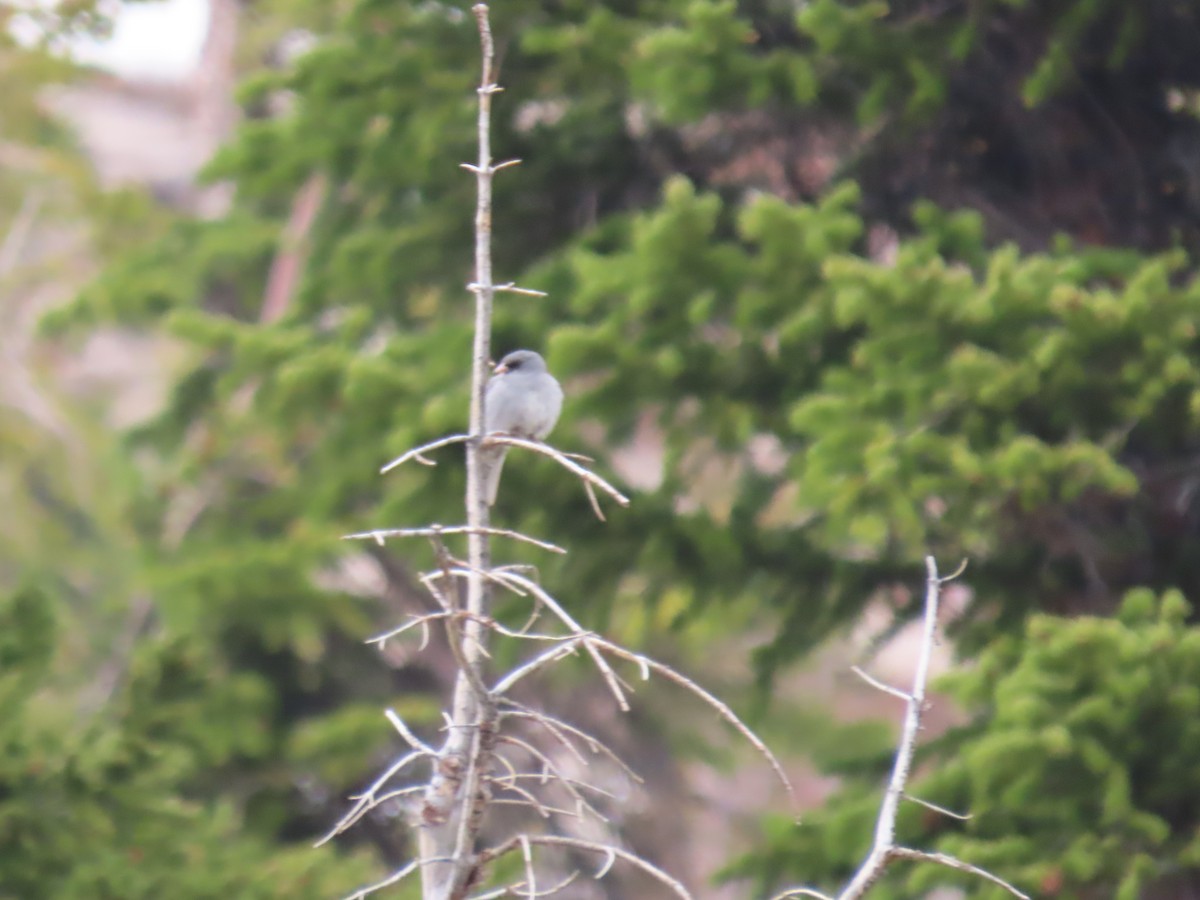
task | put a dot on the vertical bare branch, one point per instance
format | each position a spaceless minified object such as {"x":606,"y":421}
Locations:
{"x":884,"y":848}
{"x":454,"y":802}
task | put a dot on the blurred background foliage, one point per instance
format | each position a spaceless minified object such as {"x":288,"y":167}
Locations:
{"x":831,"y":285}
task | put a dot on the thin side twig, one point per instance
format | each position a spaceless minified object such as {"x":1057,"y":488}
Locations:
{"x":418,"y":453}
{"x":951,"y":862}
{"x":530,"y":879}
{"x":367,"y":800}
{"x":551,"y":771}
{"x":512,"y":889}
{"x":611,"y":854}
{"x":396,"y":877}
{"x":587,"y":475}
{"x":880,"y":685}
{"x":801,"y":892}
{"x":380,"y":534}
{"x":948,"y":813}
{"x":647,"y":664}
{"x":421,"y":622}
{"x":531,"y":665}
{"x":413,"y":741}
{"x":585,"y":637}
{"x":559,"y":729}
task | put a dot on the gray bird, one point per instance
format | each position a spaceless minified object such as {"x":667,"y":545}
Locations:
{"x":524,"y":400}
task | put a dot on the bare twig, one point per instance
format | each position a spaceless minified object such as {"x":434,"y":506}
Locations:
{"x":528,"y":799}
{"x":566,"y":460}
{"x":879,"y":685}
{"x":587,"y":475}
{"x":543,"y":659}
{"x":647,"y":664}
{"x":421,"y":622}
{"x":512,"y":889}
{"x":367,"y":800}
{"x":560,"y":729}
{"x":951,"y":862}
{"x":413,"y":741}
{"x":395,"y":878}
{"x":585,"y":637}
{"x":948,"y":813}
{"x":801,"y":892}
{"x":380,"y":534}
{"x":611,"y":855}
{"x":550,"y":771}
{"x":527,"y":853}
{"x":508,"y":287}
{"x":418,"y":453}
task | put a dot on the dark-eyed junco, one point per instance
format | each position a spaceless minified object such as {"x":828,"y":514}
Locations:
{"x":524,"y":400}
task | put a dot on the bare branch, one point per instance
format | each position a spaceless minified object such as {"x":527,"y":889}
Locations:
{"x":962,"y":817}
{"x":885,"y":826}
{"x":395,"y":878}
{"x":559,"y":729}
{"x":414,"y":622}
{"x":527,"y":853}
{"x":879,"y":685}
{"x":551,"y":775}
{"x":722,"y":708}
{"x":562,"y":459}
{"x":610,"y":852}
{"x":554,"y":654}
{"x":595,"y":503}
{"x":962,"y":567}
{"x":379,"y":534}
{"x":884,"y":848}
{"x":585,"y":637}
{"x":529,"y":799}
{"x":801,"y":892}
{"x":551,"y":771}
{"x":367,"y":800}
{"x":522,"y":633}
{"x":519,"y":885}
{"x":418,"y":453}
{"x":413,"y":741}
{"x":951,"y":862}
{"x":509,"y":287}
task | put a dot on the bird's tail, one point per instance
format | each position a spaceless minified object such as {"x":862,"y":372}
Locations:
{"x":493,"y":464}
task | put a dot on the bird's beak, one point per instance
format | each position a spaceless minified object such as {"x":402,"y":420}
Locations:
{"x":500,"y":369}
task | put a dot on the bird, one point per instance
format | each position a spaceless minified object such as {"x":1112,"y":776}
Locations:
{"x":523,"y":400}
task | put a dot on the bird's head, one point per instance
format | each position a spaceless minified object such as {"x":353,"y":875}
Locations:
{"x":521,"y":361}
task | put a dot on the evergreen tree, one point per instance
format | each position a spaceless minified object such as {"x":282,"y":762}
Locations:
{"x":703,"y":193}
